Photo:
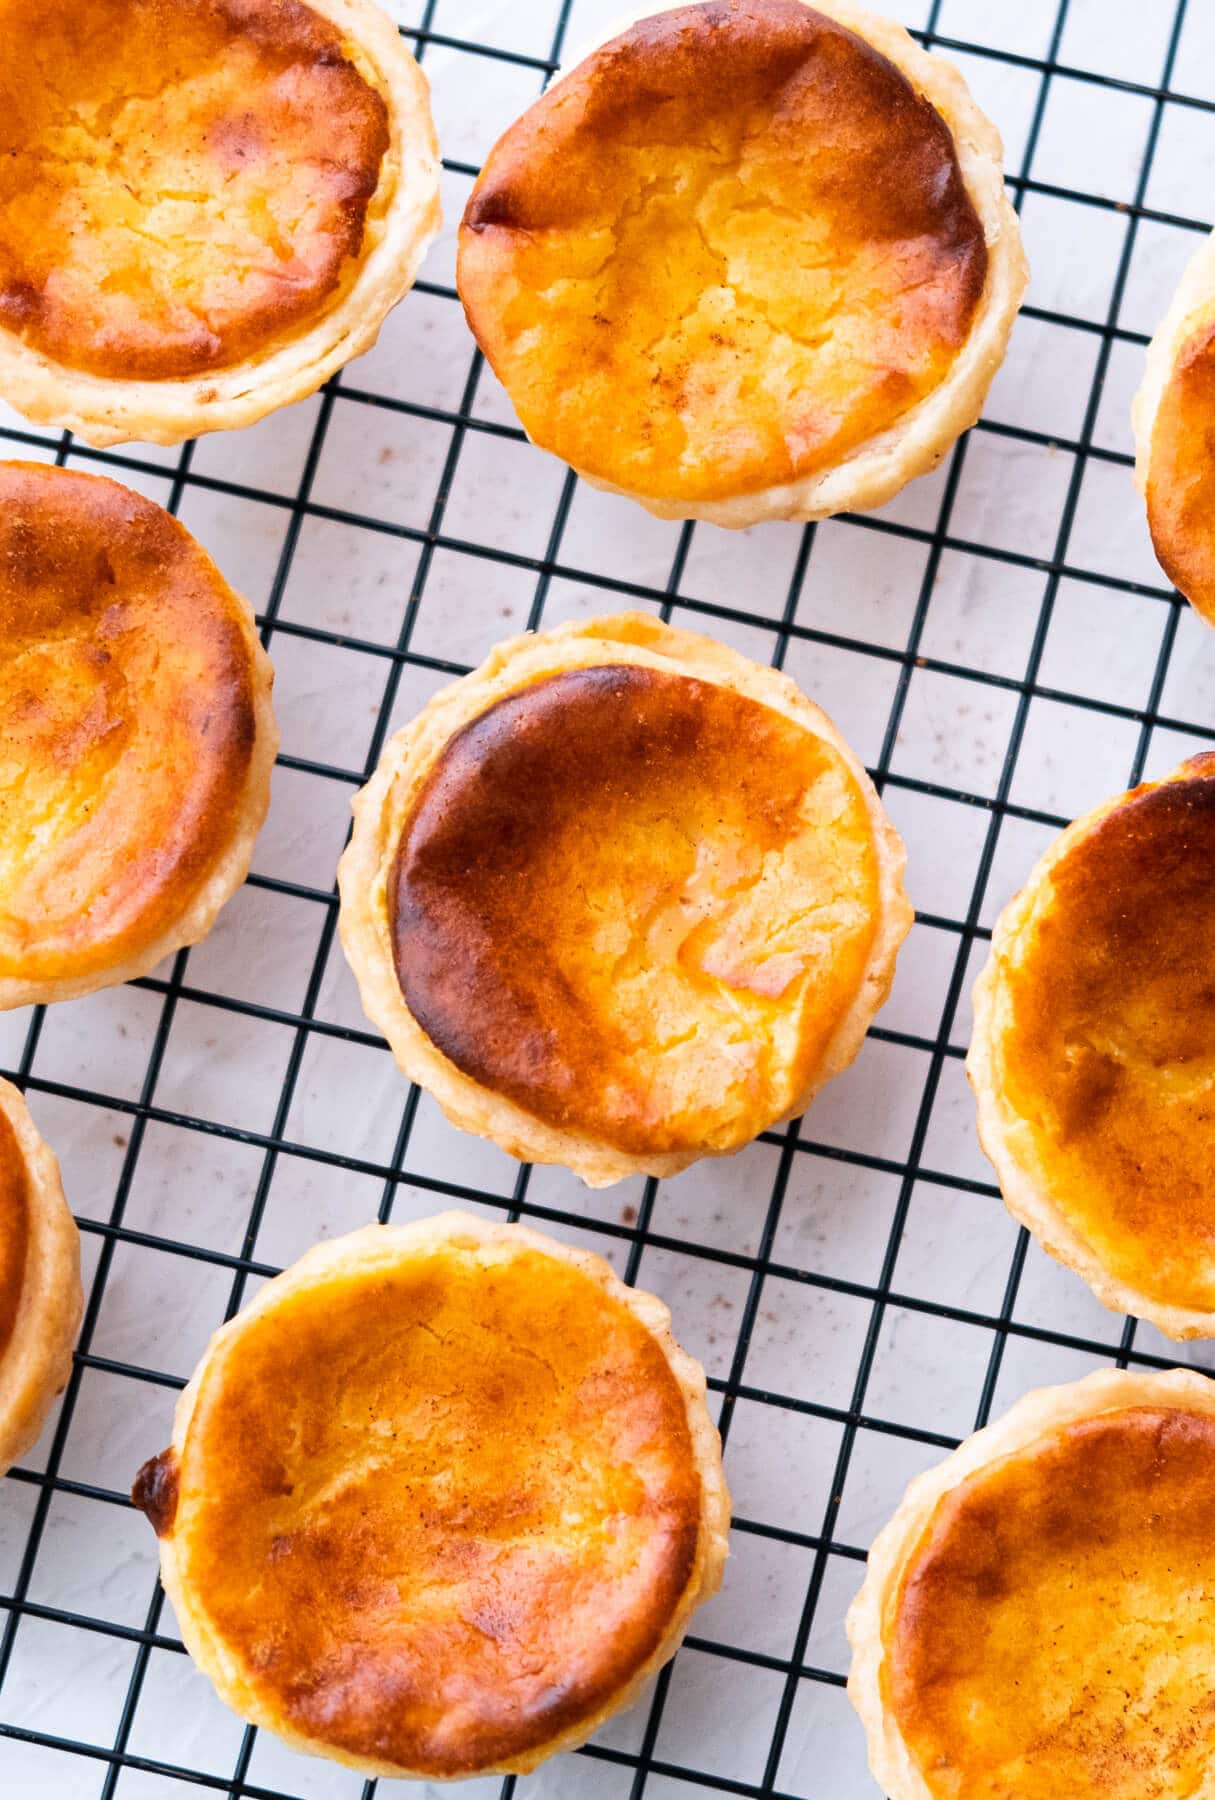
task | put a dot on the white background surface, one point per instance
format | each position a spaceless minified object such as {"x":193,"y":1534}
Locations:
{"x":1034,"y":561}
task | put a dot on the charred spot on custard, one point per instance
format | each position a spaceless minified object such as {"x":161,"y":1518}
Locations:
{"x":155,"y":1491}
{"x":491,"y":206}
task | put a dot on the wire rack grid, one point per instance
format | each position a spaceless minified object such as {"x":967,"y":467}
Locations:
{"x":1002,"y":649}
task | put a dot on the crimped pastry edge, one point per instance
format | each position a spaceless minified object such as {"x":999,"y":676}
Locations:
{"x":379,"y":1246}
{"x":106,"y":410}
{"x":380,"y":809}
{"x":1034,"y":1416}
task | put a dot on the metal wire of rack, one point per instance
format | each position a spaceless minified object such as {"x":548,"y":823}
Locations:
{"x":1020,"y":658}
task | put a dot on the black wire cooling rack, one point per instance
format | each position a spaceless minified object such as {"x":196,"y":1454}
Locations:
{"x":1002,"y":653}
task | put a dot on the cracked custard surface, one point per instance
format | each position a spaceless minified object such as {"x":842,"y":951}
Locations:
{"x":731,"y":246}
{"x":1052,"y":1633}
{"x":126,"y":720}
{"x":637,"y":904}
{"x":182,"y":182}
{"x":436,"y":1512}
{"x":14,"y":1228}
{"x":1106,"y":1045}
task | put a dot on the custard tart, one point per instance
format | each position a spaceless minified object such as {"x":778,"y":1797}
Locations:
{"x":1037,"y":1620}
{"x":1093,"y":1055}
{"x":748,"y":259}
{"x":40,"y":1296}
{"x":206,"y":206}
{"x":136,"y":735}
{"x":621,"y":898}
{"x":440,"y":1500}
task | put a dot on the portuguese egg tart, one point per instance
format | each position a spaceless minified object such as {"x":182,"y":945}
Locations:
{"x":1038,"y":1619}
{"x":440,"y":1500}
{"x":136,"y":735}
{"x":1174,"y":445}
{"x":621,"y":898}
{"x":206,"y":206}
{"x":40,"y":1296}
{"x":1093,"y":1056}
{"x":749,"y":259}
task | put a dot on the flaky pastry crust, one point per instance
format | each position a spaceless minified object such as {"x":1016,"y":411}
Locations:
{"x":36,"y":1344}
{"x":382,"y":809}
{"x":1033,"y":1419}
{"x":1027,"y":1151}
{"x":183,"y":1495}
{"x":868,"y":474}
{"x":1174,"y":470}
{"x":401,"y":220}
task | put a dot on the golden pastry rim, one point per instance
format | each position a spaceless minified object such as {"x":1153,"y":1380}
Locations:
{"x":879,"y":468}
{"x":380,"y":809}
{"x":36,"y":1362}
{"x":1007,"y":1142}
{"x":106,"y":410}
{"x":1192,"y":305}
{"x":377,"y":1246}
{"x":229,"y":867}
{"x":1034,"y":1417}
